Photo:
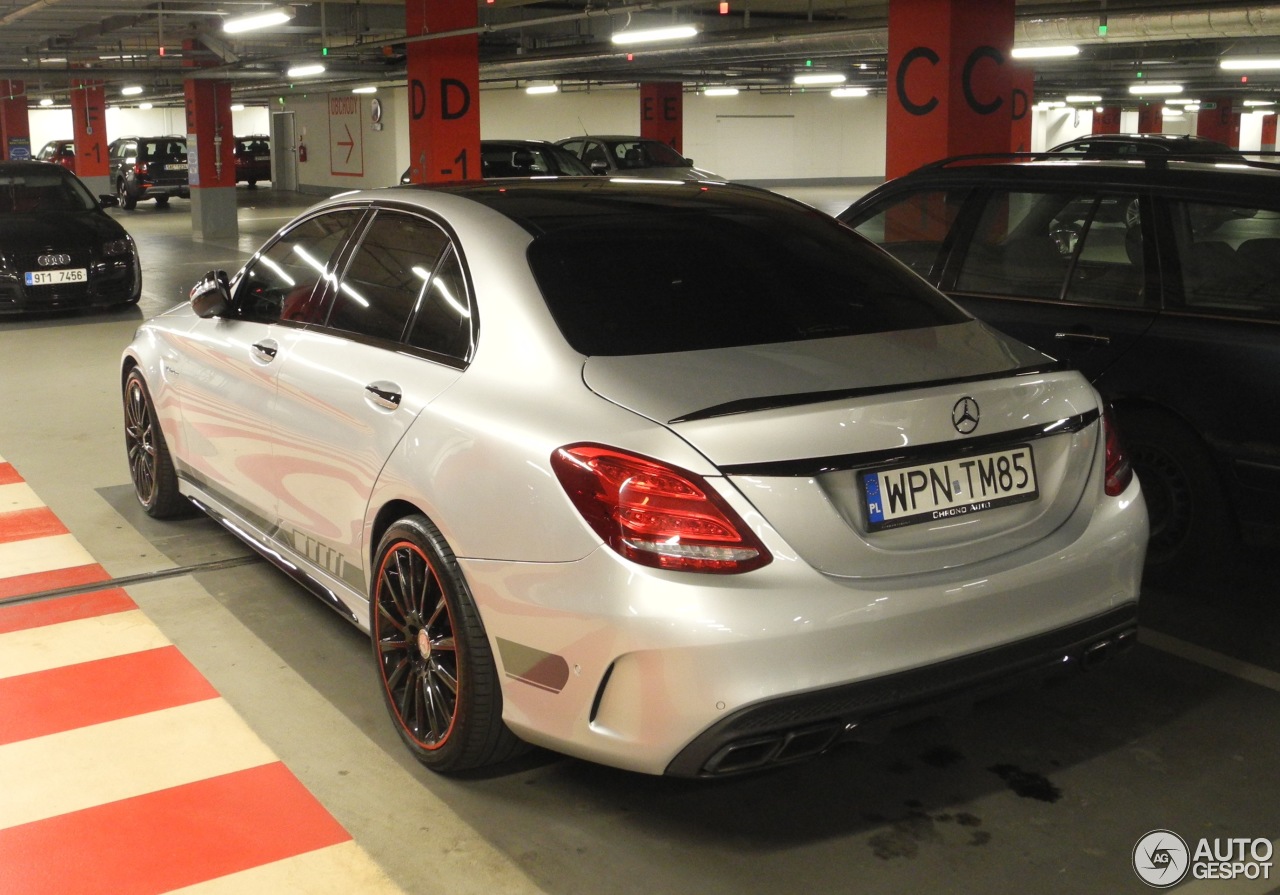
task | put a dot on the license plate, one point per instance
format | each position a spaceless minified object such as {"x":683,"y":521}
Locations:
{"x":181,"y":167}
{"x":949,"y":489}
{"x":56,"y":277}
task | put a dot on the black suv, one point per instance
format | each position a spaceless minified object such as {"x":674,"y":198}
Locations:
{"x":149,"y":168}
{"x":1159,"y":279}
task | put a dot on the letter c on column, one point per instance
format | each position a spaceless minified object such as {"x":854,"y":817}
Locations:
{"x":901,"y":81}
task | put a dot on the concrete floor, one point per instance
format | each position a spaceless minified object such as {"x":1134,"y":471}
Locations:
{"x":1041,"y":791}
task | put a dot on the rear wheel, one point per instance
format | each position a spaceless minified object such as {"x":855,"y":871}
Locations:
{"x":1191,"y":524}
{"x":155,"y":483}
{"x":435,"y":668}
{"x":127,"y":202}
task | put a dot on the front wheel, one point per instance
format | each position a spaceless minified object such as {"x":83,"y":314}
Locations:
{"x":155,"y":483}
{"x":435,"y":667}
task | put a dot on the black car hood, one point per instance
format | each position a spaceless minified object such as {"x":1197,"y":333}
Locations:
{"x":81,"y":229}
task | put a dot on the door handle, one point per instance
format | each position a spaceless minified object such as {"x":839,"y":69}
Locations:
{"x":266,"y":350}
{"x":384,"y":394}
{"x":1086,"y":338}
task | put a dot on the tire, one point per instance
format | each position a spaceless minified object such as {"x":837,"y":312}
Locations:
{"x":435,"y":667}
{"x":162,"y":201}
{"x":127,"y":202}
{"x":1191,"y":524}
{"x":155,"y":483}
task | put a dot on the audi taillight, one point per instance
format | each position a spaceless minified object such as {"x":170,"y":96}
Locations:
{"x":1119,"y":470}
{"x":655,"y":514}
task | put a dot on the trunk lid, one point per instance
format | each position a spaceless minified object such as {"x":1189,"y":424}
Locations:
{"x":797,"y":428}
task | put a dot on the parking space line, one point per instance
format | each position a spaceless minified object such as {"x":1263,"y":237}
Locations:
{"x":1254,"y":674}
{"x":114,"y":748}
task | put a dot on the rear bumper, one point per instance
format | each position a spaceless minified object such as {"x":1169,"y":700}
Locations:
{"x":792,"y":728}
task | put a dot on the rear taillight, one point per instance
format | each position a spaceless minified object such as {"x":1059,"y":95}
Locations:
{"x":140,"y":169}
{"x":1119,"y":470}
{"x":654,"y":514}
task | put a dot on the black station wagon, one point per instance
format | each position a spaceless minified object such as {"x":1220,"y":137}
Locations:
{"x":1159,"y":279}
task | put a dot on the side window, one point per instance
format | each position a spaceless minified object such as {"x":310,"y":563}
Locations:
{"x":594,"y":152}
{"x":1056,"y":245}
{"x":442,"y":322}
{"x":574,"y":146}
{"x":286,"y":281}
{"x":1229,"y":258}
{"x":912,"y":228}
{"x":387,"y":276}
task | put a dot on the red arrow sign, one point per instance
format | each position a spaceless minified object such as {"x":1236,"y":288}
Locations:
{"x":350,"y":143}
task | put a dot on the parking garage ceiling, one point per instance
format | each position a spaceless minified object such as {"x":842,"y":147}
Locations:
{"x":750,"y":44}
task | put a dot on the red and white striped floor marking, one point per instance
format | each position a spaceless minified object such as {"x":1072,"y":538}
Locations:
{"x":122,"y":771}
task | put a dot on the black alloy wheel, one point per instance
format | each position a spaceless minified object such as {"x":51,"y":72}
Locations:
{"x":127,"y":202}
{"x":155,"y":483}
{"x":435,"y":667}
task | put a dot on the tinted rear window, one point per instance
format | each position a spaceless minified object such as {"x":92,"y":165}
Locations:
{"x":649,"y":282}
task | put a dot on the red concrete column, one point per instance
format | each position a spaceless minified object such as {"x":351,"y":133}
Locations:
{"x":662,"y":114}
{"x":15,"y":128}
{"x":950,"y":82}
{"x":1151,"y":118}
{"x":89,"y":130}
{"x":1219,"y":119}
{"x":1024,"y":94}
{"x":444,"y":92}
{"x":1106,"y":121}
{"x":210,"y":138}
{"x":1268,"y":133}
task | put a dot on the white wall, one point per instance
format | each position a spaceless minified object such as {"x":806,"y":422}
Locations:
{"x":55,"y":124}
{"x":749,"y":136}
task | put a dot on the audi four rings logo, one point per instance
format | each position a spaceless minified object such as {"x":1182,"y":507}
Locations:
{"x":965,"y":415}
{"x":53,"y":260}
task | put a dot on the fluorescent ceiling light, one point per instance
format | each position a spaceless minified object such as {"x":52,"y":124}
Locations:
{"x":130,"y":91}
{"x":364,"y":89}
{"x":1044,"y":52}
{"x":1250,"y":63}
{"x":841,"y":92}
{"x":146,"y":106}
{"x":820,"y":78}
{"x":46,"y":102}
{"x":536,"y":89}
{"x":1140,"y":89}
{"x":1171,"y":113}
{"x":648,"y":35}
{"x":304,"y":71}
{"x":237,"y":107}
{"x":1259,"y":102}
{"x":720,"y":91}
{"x":253,"y":21}
{"x":1084,"y":99}
{"x":1182,"y":101}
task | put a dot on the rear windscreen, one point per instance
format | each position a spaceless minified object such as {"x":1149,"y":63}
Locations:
{"x":652,"y":283}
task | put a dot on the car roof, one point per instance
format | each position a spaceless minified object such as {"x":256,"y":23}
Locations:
{"x":542,"y":205}
{"x":1145,"y":170}
{"x":20,"y":166}
{"x":1172,"y":142}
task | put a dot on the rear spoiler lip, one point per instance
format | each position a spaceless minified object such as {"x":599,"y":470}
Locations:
{"x":810,"y":467}
{"x":774,"y":402}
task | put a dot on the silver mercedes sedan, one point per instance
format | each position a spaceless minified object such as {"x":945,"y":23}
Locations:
{"x":684,"y":478}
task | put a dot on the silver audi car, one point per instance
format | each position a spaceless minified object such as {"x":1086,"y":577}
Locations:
{"x":684,"y":478}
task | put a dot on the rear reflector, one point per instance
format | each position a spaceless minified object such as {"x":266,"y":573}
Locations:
{"x":1119,"y":470}
{"x":654,"y":514}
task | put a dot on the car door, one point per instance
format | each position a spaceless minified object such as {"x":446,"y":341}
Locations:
{"x":399,"y":332}
{"x":1070,"y":271}
{"x":226,"y":374}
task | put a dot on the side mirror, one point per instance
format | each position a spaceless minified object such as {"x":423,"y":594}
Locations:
{"x":688,"y":162}
{"x":105,"y":200}
{"x":212,"y":295}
